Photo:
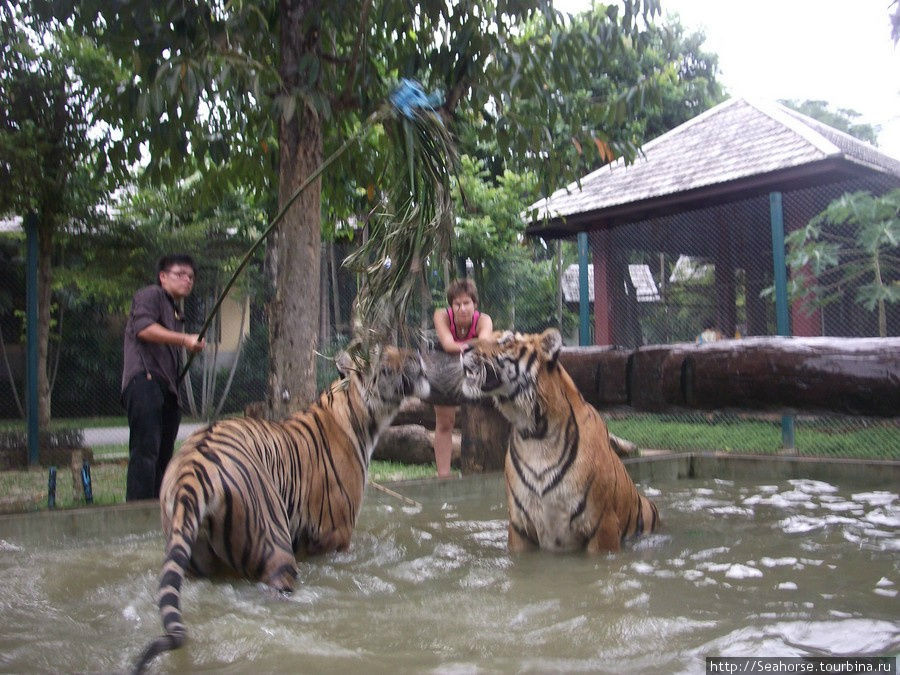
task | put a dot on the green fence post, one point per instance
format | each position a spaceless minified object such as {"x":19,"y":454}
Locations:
{"x":31,"y":337}
{"x":584,"y":327}
{"x":782,"y":316}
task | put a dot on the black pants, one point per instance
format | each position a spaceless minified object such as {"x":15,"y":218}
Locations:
{"x":153,"y":419}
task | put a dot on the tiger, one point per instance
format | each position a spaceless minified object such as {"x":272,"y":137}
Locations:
{"x":566,"y":489}
{"x":247,"y":496}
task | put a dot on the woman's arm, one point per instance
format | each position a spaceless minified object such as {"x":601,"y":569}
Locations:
{"x":485,"y":327}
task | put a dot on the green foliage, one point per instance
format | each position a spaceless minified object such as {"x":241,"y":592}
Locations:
{"x":489,"y":210}
{"x":415,"y":219}
{"x":204,"y":77}
{"x":49,"y":162}
{"x":108,"y":261}
{"x":852,"y":246}
{"x":841,"y":119}
{"x":489,"y":232}
{"x":494,"y":184}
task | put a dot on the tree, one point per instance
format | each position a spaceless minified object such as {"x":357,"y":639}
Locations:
{"x":854,"y":244}
{"x":107,"y":262}
{"x":247,"y":86}
{"x":48,"y":158}
{"x":493,"y":188}
{"x":841,"y":119}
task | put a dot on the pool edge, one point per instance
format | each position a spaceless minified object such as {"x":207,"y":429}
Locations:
{"x":141,"y":517}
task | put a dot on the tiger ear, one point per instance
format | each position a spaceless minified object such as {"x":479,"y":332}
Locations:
{"x":551,"y":344}
{"x":503,"y":338}
{"x":344,"y":363}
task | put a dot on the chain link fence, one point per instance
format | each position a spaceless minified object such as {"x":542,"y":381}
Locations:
{"x":699,"y":275}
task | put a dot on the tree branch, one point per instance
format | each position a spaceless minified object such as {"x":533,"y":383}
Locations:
{"x":455,"y":94}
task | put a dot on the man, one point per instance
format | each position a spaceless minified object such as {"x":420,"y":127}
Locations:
{"x":153,"y":339}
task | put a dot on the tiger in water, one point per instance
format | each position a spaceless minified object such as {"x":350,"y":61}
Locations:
{"x":246,"y":496}
{"x":566,"y":488}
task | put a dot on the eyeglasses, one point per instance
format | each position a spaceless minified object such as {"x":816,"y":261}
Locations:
{"x":181,"y":274}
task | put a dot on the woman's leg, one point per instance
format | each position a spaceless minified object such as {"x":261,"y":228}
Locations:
{"x":444,"y":416}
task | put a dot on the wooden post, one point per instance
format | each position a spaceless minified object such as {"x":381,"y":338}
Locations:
{"x":584,"y":311}
{"x":782,"y":317}
{"x":485,"y":438}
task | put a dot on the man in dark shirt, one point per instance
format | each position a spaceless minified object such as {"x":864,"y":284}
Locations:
{"x":153,"y":338}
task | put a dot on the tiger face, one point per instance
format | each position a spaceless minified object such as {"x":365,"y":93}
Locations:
{"x":392,"y":375}
{"x":507,"y":368}
{"x":398,"y":375}
{"x":566,"y":488}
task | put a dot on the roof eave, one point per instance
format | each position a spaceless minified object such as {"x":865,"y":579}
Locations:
{"x":835,"y":168}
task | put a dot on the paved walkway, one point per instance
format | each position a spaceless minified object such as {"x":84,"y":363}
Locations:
{"x":119,"y":435}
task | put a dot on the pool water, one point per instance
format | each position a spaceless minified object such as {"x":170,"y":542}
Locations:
{"x":786,"y":568}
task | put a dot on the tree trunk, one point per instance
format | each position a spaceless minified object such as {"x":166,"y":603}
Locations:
{"x":294,"y":309}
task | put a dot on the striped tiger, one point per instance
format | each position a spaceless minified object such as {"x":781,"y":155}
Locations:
{"x":246,"y":496}
{"x":566,"y":489}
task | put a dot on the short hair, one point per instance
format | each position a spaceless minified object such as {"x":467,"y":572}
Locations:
{"x":464,"y":286}
{"x":170,"y":260}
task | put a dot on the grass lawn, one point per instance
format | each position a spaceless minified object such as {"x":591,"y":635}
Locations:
{"x":812,"y":438}
{"x":27,"y":490}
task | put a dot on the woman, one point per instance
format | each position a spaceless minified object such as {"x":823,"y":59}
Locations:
{"x":455,"y":325}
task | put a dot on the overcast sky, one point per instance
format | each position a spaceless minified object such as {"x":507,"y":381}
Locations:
{"x":837,"y":51}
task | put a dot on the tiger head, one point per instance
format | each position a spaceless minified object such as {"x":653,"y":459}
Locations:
{"x":390,"y":376}
{"x":507,"y":367}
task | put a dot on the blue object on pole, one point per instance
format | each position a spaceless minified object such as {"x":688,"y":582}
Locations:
{"x":51,"y":488}
{"x":86,"y":482}
{"x":782,"y":314}
{"x":584,"y":300}
{"x":409,"y":95}
{"x":31,"y":336}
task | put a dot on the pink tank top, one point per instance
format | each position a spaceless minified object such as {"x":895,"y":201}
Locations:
{"x":472,"y":329}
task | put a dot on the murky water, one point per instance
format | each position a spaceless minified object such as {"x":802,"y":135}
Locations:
{"x":787,"y":568}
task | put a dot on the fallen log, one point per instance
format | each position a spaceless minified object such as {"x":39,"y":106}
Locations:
{"x":848,"y":376}
{"x":852,"y":376}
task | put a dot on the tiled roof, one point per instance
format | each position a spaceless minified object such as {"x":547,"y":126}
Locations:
{"x":732,"y":141}
{"x":640,"y":275}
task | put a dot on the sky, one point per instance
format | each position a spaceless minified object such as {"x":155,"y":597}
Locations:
{"x":837,"y":51}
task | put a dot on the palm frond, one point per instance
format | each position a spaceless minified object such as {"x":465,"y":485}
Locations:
{"x":414,"y":220}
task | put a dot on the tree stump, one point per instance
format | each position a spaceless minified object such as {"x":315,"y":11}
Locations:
{"x":485,"y":438}
{"x":76,"y":459}
{"x":415,"y":411}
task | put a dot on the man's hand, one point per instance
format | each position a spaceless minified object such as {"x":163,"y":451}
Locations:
{"x":193,"y":342}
